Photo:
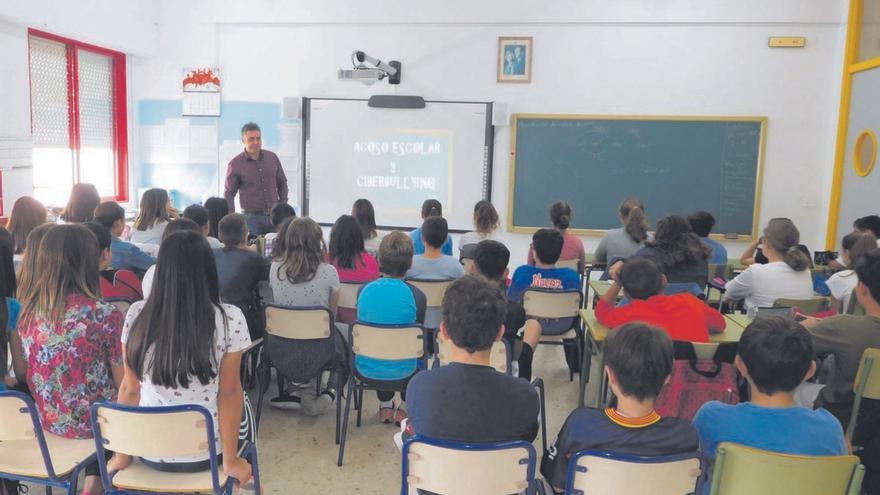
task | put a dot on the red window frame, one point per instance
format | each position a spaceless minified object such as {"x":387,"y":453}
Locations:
{"x":120,"y":102}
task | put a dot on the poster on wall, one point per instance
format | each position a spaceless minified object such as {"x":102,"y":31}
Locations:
{"x":201,"y":92}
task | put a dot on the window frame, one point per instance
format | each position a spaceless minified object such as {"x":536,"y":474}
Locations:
{"x":120,"y":104}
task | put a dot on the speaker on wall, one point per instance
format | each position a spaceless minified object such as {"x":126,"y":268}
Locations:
{"x":500,"y":114}
{"x":290,"y":108}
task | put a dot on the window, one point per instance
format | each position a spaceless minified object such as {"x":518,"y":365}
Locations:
{"x":78,"y":118}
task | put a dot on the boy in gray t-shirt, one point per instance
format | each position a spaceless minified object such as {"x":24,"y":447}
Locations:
{"x":434,"y":265}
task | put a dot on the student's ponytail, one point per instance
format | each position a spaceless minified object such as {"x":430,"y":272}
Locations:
{"x":783,"y":237}
{"x":432,"y":208}
{"x":632,"y":212}
{"x":560,"y":215}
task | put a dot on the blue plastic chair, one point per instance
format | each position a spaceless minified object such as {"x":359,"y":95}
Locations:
{"x":444,"y":466}
{"x":29,"y":454}
{"x":172,"y":431}
{"x":596,"y":472}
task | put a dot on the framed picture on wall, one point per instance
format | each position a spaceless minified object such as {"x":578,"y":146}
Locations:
{"x":515,"y":59}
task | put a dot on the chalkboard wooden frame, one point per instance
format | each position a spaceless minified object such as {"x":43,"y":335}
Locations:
{"x":524,"y":229}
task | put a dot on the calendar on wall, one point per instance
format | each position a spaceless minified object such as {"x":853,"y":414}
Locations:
{"x":201,"y":92}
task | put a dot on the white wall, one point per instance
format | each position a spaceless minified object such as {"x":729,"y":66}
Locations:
{"x":680,"y":57}
{"x":128,"y":26}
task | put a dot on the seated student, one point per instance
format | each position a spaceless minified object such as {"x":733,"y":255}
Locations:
{"x":217,"y":209}
{"x":702,"y":223}
{"x":70,"y":337}
{"x":27,"y":274}
{"x":279,"y":213}
{"x":623,"y":242}
{"x":347,"y":253}
{"x":155,"y":213}
{"x":485,"y":223}
{"x":126,"y":256}
{"x":638,"y":362}
{"x":467,"y":400}
{"x":775,"y":356}
{"x":846,"y":337}
{"x":786,"y":274}
{"x":362,"y":210}
{"x":389,"y":301}
{"x":546,"y":247}
{"x":199,"y":215}
{"x":200,"y":340}
{"x":854,"y":246}
{"x":433,"y":264}
{"x":301,"y":277}
{"x":754,"y":253}
{"x":572,"y":247}
{"x":240,"y":270}
{"x":10,"y":344}
{"x":490,"y":260}
{"x":678,"y":251}
{"x":181,"y":224}
{"x":27,"y":214}
{"x":84,"y":198}
{"x":683,"y":316}
{"x":115,"y":284}
{"x":430,"y":208}
{"x":863,"y":225}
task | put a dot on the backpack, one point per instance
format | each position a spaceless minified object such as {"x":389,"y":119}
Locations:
{"x":695,"y":382}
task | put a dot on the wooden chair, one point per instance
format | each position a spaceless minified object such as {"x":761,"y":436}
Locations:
{"x":348,"y":296}
{"x":866,"y":385}
{"x":543,"y":304}
{"x":811,"y":306}
{"x":161,"y":432}
{"x":454,"y":468}
{"x":604,"y":473}
{"x":434,"y":291}
{"x":307,"y":323}
{"x":741,"y":470}
{"x":29,"y":454}
{"x":384,"y":342}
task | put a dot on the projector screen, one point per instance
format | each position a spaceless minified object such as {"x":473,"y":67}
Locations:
{"x":396,"y":158}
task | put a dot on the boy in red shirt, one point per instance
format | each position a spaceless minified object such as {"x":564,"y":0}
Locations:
{"x":683,"y":316}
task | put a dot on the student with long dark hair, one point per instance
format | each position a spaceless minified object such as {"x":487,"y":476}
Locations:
{"x":217,"y":209}
{"x":362,"y":211}
{"x":70,"y":336}
{"x":183,"y":346}
{"x":27,"y":214}
{"x":855,"y":246}
{"x":155,"y":213}
{"x":572,"y":248}
{"x":678,"y":252}
{"x":84,"y":198}
{"x":347,"y":253}
{"x":430,"y":208}
{"x":786,"y":275}
{"x":199,"y":214}
{"x":179,"y":225}
{"x":623,"y":242}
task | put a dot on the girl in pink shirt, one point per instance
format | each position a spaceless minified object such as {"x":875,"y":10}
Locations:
{"x":573,"y":247}
{"x":347,"y":253}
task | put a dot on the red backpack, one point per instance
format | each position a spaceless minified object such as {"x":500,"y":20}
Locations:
{"x":695,"y":382}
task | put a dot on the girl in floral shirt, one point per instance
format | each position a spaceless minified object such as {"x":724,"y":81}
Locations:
{"x":70,"y":336}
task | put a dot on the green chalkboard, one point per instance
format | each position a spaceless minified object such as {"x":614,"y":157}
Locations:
{"x":675,"y":165}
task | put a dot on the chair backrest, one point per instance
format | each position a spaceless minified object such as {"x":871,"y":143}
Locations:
{"x":434,"y":290}
{"x":392,"y":342}
{"x":573,"y":264}
{"x":298,"y":323}
{"x":499,"y":358}
{"x":865,"y":386}
{"x":457,"y":469}
{"x":809,"y":306}
{"x":121,"y":304}
{"x":157,"y":432}
{"x":16,"y":422}
{"x":543,"y":303}
{"x":724,"y":271}
{"x":741,"y":470}
{"x":598,"y":473}
{"x":854,"y":307}
{"x":682,"y":287}
{"x":348,"y":294}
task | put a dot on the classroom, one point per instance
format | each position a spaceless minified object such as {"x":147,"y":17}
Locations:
{"x":494,"y":247}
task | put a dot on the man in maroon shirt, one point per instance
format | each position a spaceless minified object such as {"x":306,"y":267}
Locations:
{"x":256,"y":174}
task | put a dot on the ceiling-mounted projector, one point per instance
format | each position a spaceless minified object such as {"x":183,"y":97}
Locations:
{"x":360,"y":71}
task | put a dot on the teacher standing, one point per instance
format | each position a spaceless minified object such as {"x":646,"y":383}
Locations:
{"x":256,"y":174}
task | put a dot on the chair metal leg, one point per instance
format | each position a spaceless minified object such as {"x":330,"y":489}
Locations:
{"x":264,"y":377}
{"x":48,"y":490}
{"x":584,"y":374}
{"x":360,"y":392}
{"x":345,"y":423}
{"x":339,"y":391}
